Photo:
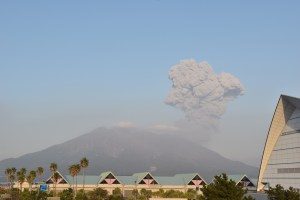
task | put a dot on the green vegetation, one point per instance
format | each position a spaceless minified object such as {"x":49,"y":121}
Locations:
{"x":30,"y":178}
{"x":279,"y":193}
{"x":74,"y":171}
{"x":116,"y":194}
{"x":16,"y":194}
{"x":84,"y":163}
{"x":144,"y":194}
{"x":101,"y":194}
{"x":10,"y":174}
{"x":21,"y":177}
{"x":67,"y":194}
{"x":223,"y":189}
{"x":55,"y":175}
{"x":98,"y":194}
{"x":39,"y":173}
{"x":81,"y":195}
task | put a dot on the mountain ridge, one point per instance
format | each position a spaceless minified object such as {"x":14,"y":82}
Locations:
{"x":129,"y":150}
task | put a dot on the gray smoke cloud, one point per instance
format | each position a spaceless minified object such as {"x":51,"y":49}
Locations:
{"x":200,"y":93}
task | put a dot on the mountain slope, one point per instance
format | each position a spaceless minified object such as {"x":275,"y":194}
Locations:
{"x":128,"y":150}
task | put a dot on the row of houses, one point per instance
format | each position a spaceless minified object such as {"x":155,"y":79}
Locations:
{"x":145,"y":180}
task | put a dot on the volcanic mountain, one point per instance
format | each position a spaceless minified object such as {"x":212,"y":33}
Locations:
{"x":129,"y":150}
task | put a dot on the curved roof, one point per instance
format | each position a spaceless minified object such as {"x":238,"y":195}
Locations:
{"x":285,"y":107}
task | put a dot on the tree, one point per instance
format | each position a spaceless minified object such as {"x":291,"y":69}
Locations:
{"x":21,"y":178}
{"x":14,"y":170}
{"x":223,"y":189}
{"x":23,"y":170}
{"x":117,"y":191}
{"x":81,"y":195}
{"x":116,"y":194}
{"x":159,"y":193}
{"x":191,"y":194}
{"x":276,"y":193}
{"x":39,"y":173}
{"x":146,"y":193}
{"x":279,"y":193}
{"x":53,"y":169}
{"x":84,"y":163}
{"x":42,"y":195}
{"x":7,"y":173}
{"x":30,"y":179}
{"x":11,"y":176}
{"x":72,"y":172}
{"x":135,"y":193}
{"x":76,"y":171}
{"x":55,"y":179}
{"x":15,"y":194}
{"x":28,"y":195}
{"x":292,"y":194}
{"x":98,"y":194}
{"x":67,"y":194}
{"x":174,"y":194}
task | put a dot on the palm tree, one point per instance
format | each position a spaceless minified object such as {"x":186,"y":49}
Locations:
{"x":55,"y":179}
{"x":7,"y":173}
{"x":23,"y":170}
{"x":84,"y":163}
{"x":14,"y":170}
{"x":30,"y":179}
{"x":53,"y":169}
{"x":10,"y":175}
{"x":21,"y":177}
{"x":39,"y":173}
{"x":13,"y":176}
{"x":76,"y":171}
{"x":72,"y":172}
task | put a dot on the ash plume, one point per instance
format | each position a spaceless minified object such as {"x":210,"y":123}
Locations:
{"x":201,"y":94}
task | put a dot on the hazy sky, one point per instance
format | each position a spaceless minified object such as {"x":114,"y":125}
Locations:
{"x":67,"y":67}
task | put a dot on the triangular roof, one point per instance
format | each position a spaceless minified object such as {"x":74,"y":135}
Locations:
{"x":240,"y":177}
{"x":49,"y":180}
{"x":104,"y":176}
{"x":249,"y":182}
{"x":140,"y":176}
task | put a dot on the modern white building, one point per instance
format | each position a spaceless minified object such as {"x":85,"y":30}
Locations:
{"x":280,"y":162}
